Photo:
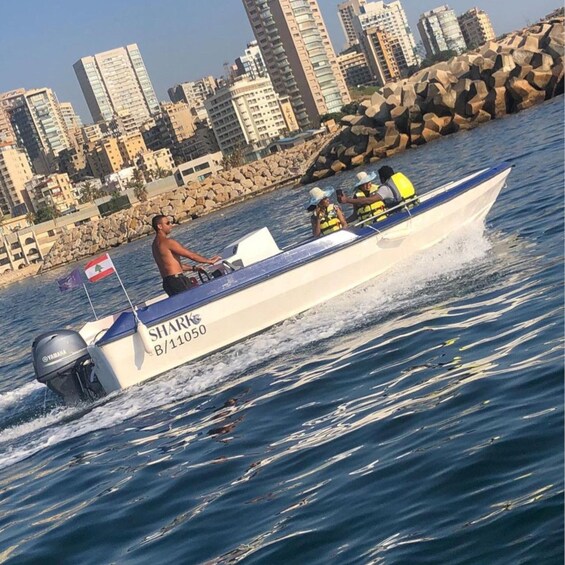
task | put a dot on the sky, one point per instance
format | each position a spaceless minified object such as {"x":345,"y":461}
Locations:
{"x":179,"y":40}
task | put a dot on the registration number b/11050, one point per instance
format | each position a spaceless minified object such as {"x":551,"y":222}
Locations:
{"x":172,"y":343}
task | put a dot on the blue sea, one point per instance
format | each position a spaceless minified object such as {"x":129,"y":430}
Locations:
{"x":416,"y":419}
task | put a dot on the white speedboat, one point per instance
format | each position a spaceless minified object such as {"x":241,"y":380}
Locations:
{"x":259,"y":285}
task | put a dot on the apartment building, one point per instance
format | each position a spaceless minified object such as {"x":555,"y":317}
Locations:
{"x":174,"y":123}
{"x":354,"y":66}
{"x":198,"y":169}
{"x":391,"y":19}
{"x":116,"y":83}
{"x":111,"y":154}
{"x":245,"y":115}
{"x":15,"y":171}
{"x":440,"y":31}
{"x":347,"y":12}
{"x":193,"y":93}
{"x":476,"y":27}
{"x":7,"y":102}
{"x":39,"y":127}
{"x":151,"y":162}
{"x":54,"y":191}
{"x":299,"y":56}
{"x":251,"y":63}
{"x":202,"y":142}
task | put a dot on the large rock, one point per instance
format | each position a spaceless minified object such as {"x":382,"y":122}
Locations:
{"x":523,"y":94}
{"x":552,"y":43}
{"x":539,"y":79}
{"x":497,"y":102}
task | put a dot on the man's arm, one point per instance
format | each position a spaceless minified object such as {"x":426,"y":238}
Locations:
{"x":341,"y":217}
{"x":361,"y":201}
{"x":177,"y":248}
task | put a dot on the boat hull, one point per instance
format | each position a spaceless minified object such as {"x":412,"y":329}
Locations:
{"x":196,"y":332}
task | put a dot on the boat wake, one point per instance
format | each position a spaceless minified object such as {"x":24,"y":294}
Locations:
{"x":28,"y":424}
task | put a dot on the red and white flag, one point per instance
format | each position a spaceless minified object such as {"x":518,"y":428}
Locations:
{"x":99,"y":268}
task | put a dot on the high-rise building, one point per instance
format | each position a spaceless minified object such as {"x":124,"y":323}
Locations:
{"x":299,"y":56}
{"x":15,"y":171}
{"x":440,"y":31}
{"x":476,"y":27}
{"x":246,"y":116}
{"x":380,"y":56}
{"x":115,"y":83}
{"x":251,"y":62}
{"x":40,"y":128}
{"x":391,"y":19}
{"x":347,"y":12}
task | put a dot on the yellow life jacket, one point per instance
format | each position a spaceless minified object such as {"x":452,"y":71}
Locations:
{"x":368,"y":210}
{"x":401,"y":187}
{"x":329,"y":222}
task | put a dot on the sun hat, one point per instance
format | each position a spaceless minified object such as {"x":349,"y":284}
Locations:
{"x":364,"y":178}
{"x":317,"y":194}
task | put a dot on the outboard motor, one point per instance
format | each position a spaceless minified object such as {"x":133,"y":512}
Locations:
{"x":62,"y":362}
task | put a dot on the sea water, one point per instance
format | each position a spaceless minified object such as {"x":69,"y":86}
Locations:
{"x":415,"y":419}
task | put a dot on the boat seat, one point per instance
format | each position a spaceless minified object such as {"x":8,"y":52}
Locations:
{"x":251,"y":248}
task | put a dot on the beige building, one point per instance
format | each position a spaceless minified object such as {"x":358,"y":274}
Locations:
{"x":380,"y":55}
{"x":116,"y":83}
{"x":173,"y":124}
{"x":15,"y":171}
{"x":150,"y":162}
{"x":198,"y":169}
{"x":53,"y":190}
{"x":299,"y":56}
{"x":245,"y":115}
{"x":111,"y":154}
{"x":354,"y":66}
{"x":476,"y":27}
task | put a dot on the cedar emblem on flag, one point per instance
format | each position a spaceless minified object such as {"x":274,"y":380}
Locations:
{"x":99,"y":268}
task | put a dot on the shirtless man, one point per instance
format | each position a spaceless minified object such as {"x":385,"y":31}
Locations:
{"x":167,"y":253}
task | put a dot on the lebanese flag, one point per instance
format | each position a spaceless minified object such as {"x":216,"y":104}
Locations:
{"x":99,"y":268}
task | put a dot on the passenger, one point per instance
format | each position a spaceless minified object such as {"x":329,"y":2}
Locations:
{"x":367,"y":201}
{"x":371,"y":200}
{"x":326,"y":217}
{"x":167,"y":254}
{"x":396,"y":188}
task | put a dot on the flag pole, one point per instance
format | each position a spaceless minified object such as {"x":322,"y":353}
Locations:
{"x":89,"y":301}
{"x":139,"y":325}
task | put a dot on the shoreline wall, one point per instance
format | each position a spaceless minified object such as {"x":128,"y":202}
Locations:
{"x":523,"y":69}
{"x":185,"y":203}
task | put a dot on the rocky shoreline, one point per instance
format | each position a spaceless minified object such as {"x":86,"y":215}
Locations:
{"x":522,"y":70}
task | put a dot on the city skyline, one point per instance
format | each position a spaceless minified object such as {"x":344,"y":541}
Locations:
{"x":175,"y":41}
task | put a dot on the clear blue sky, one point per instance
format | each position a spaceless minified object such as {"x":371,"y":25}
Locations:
{"x":180,"y":40}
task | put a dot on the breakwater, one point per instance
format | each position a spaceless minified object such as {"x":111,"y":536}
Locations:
{"x":523,"y":69}
{"x":184,"y":203}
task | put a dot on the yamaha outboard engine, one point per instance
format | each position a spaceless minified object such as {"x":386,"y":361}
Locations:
{"x":61,"y":361}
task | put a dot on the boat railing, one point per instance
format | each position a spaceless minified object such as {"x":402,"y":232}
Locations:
{"x":405,"y":205}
